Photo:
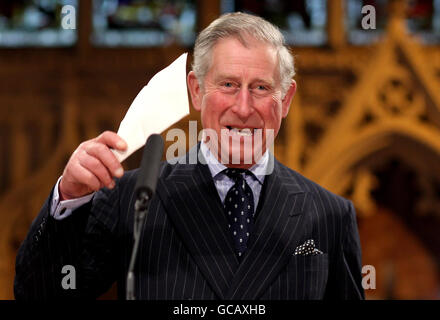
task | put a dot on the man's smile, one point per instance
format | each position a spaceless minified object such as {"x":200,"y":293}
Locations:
{"x":242,"y":131}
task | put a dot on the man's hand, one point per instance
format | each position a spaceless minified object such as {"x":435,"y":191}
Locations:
{"x":92,"y":166}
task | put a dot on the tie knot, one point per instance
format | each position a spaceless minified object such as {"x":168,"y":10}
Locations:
{"x":235,"y":174}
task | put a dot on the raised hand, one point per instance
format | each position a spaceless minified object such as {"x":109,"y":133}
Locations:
{"x":92,"y":166}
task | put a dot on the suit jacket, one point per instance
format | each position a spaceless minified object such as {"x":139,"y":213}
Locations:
{"x":186,"y":251}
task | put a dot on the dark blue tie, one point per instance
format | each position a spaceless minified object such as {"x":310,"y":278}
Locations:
{"x":239,"y":209}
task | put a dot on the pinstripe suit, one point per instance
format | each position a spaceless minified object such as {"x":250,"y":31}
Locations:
{"x":186,"y":250}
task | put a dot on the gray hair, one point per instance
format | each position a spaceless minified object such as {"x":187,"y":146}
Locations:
{"x":242,"y":25}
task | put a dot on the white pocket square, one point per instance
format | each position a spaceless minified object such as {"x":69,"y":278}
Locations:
{"x":307,"y":248}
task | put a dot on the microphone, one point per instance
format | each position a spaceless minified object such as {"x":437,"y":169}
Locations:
{"x":149,"y":168}
{"x":144,"y":191}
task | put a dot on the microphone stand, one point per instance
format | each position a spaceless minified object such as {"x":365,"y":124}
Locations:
{"x":140,"y":212}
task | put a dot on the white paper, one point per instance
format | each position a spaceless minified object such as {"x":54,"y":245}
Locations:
{"x":160,"y":104}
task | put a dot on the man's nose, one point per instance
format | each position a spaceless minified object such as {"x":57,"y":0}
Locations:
{"x":243,"y":106}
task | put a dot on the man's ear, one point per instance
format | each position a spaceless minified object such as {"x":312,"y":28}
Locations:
{"x":195,"y":90}
{"x":287,"y":100}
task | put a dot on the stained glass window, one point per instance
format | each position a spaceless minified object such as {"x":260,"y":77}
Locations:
{"x":303,"y":22}
{"x":135,"y":23}
{"x":424,"y":20}
{"x":38,"y":23}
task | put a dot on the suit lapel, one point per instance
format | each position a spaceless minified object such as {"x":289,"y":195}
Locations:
{"x":192,"y":203}
{"x":277,"y":231}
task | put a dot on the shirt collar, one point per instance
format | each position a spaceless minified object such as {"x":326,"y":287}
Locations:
{"x":258,"y":169}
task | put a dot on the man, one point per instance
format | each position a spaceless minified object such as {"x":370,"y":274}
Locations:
{"x":246,"y":229}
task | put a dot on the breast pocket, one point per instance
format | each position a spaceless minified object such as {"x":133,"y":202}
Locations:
{"x":307,"y":276}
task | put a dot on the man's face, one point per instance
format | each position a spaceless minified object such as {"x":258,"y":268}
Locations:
{"x":241,"y":99}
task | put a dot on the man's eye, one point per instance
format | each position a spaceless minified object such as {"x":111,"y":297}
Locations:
{"x":228,"y":84}
{"x":261,"y":88}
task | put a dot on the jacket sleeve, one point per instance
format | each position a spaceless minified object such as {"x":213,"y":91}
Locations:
{"x":345,"y":280}
{"x":54,"y":261}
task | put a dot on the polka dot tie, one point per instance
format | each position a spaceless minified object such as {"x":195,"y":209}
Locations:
{"x":239,"y":209}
